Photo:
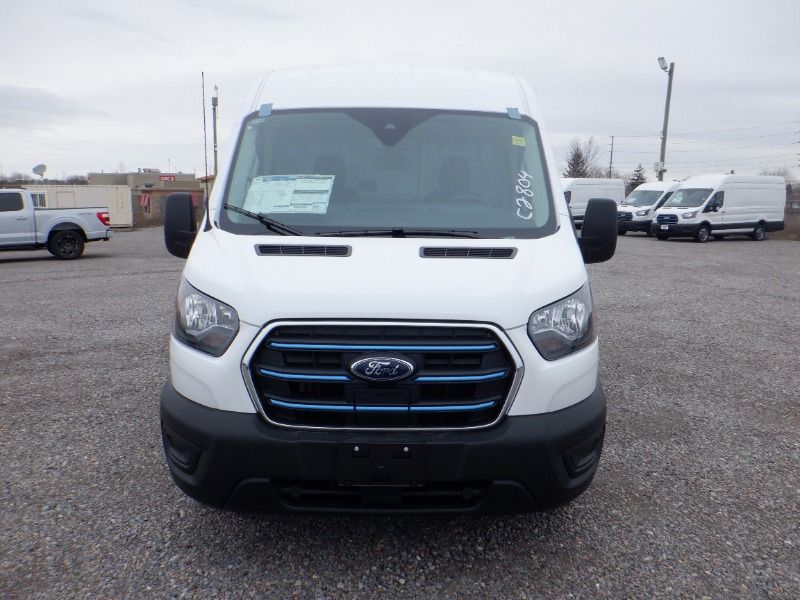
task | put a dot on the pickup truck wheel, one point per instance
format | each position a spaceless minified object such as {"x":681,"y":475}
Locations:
{"x":67,"y":244}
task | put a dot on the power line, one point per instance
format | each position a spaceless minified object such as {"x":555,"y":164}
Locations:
{"x":739,"y":128}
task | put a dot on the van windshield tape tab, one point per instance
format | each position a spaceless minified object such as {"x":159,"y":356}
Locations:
{"x":265,"y":110}
{"x":513,"y":113}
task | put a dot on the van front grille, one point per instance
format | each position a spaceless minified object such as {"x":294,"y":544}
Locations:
{"x":624,"y":216}
{"x":667,"y":219}
{"x":302,"y":376}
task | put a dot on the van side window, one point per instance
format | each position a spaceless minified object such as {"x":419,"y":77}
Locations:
{"x":10,"y":201}
{"x":716,"y":201}
{"x":664,"y":199}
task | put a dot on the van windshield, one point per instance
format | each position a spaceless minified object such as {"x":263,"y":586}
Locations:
{"x":688,"y":197}
{"x":643,"y":197}
{"x":380,"y":171}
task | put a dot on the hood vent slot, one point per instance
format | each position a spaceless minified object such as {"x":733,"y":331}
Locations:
{"x":297,"y":250}
{"x":463,"y":252}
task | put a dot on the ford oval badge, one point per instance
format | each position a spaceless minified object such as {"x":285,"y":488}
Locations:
{"x":381,"y":368}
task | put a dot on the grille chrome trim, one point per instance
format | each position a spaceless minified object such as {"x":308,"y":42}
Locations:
{"x":382,"y":347}
{"x":501,"y":335}
{"x":388,"y":408}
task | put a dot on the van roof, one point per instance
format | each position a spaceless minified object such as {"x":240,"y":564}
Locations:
{"x":396,"y":86}
{"x":712,"y":181}
{"x":663,"y":186}
{"x":592,"y":181}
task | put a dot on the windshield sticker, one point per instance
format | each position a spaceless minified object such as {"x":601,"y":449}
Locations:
{"x":524,"y":199}
{"x":518,"y":140}
{"x":275,"y":194}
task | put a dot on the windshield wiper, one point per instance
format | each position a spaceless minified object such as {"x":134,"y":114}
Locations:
{"x":270,"y":224}
{"x":400,"y":232}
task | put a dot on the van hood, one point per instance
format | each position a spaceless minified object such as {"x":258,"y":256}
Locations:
{"x":385,"y":278}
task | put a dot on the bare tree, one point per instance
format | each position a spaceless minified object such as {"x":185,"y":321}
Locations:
{"x":780,"y":172}
{"x":791,"y":181}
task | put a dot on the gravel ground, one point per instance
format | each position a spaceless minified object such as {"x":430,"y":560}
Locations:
{"x":697,"y":495}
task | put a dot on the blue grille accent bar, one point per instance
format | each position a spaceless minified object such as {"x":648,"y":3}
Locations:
{"x":379,"y":408}
{"x":382,"y":347}
{"x":459,"y":378}
{"x":302,"y":406}
{"x":453,"y":407}
{"x":303,"y":377}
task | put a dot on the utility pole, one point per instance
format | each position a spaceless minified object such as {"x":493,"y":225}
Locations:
{"x":611,"y":161}
{"x":670,"y":72}
{"x":214,"y":103}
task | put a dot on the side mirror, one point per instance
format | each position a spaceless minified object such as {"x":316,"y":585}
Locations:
{"x":179,"y":224}
{"x":598,"y":240}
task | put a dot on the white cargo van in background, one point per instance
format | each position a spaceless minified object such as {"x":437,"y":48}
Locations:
{"x":386,"y":307}
{"x":636,"y":211}
{"x":578,"y":191}
{"x":720,"y":205}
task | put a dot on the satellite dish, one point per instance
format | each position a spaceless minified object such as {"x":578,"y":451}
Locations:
{"x":39,"y":170}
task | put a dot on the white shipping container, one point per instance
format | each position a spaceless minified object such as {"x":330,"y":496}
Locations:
{"x":117,"y":198}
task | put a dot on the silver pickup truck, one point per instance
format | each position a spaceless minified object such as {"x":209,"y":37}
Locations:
{"x":63,"y":231}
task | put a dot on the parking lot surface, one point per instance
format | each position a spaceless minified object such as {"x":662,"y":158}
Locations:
{"x":698,"y":491}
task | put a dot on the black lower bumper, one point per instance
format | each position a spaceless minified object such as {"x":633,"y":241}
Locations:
{"x":634,"y":226}
{"x":237,"y":461}
{"x":674,"y":229}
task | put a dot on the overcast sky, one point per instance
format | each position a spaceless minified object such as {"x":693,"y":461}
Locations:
{"x":90,"y":86}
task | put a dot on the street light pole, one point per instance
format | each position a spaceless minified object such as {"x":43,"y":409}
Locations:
{"x":611,"y":160}
{"x":214,"y":104}
{"x":670,"y":72}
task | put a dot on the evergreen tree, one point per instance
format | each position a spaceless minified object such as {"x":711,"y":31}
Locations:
{"x":637,"y":179}
{"x":581,"y":159}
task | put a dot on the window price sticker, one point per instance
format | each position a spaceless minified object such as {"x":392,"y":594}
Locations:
{"x":276,"y":194}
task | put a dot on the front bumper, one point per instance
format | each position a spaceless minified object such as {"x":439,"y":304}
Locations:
{"x":524,"y":463}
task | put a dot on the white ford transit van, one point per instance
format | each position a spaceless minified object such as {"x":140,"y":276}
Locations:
{"x":721,"y":205}
{"x":579,"y":190}
{"x":636,"y":211}
{"x":385,"y":307}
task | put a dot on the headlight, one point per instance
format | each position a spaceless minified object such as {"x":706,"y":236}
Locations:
{"x":689,"y":215}
{"x":564,"y":326}
{"x":202,"y":322}
{"x":641,"y":213}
